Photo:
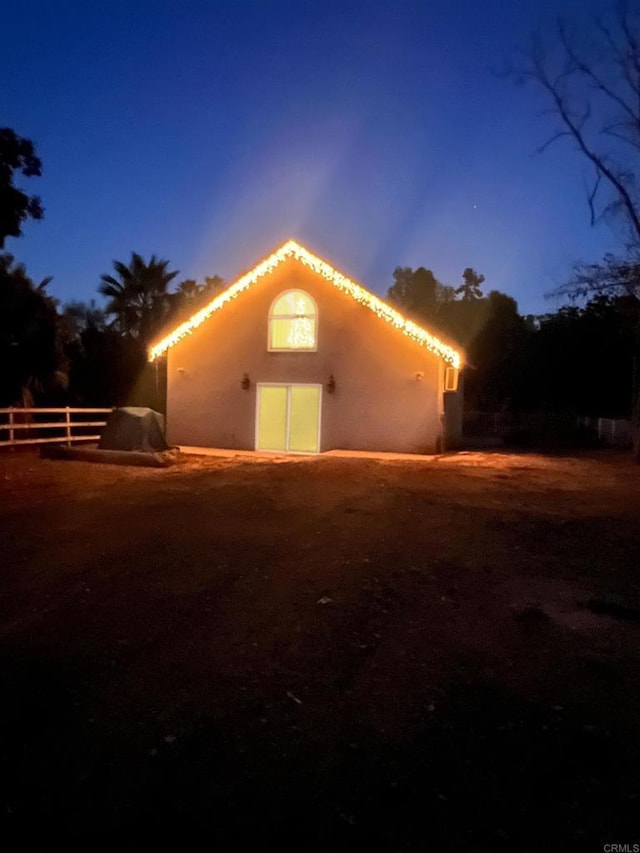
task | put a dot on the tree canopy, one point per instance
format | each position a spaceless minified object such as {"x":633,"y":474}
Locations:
{"x":416,"y":291}
{"x":31,"y":353}
{"x":17,"y":156}
{"x":138,"y":295}
{"x":470,"y":287}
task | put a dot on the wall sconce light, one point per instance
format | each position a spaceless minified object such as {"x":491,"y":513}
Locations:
{"x":331,"y":384}
{"x":245,"y":382}
{"x":419,"y":376}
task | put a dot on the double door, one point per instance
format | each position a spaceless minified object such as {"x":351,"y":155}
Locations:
{"x":288,"y":417}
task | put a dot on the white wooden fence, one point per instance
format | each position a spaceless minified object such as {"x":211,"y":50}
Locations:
{"x":48,"y":426}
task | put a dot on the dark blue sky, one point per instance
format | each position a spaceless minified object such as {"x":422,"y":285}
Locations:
{"x":375,"y":133}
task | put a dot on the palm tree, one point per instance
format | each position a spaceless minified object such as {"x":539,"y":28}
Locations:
{"x":188,"y":291}
{"x":138,"y":297}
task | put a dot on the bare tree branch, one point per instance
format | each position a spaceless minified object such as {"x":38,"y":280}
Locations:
{"x":592,"y":197}
{"x":612,"y":275}
{"x":611,"y":130}
{"x":580,"y":85}
{"x":558,"y":135}
{"x":588,"y":71}
{"x":575,"y":130}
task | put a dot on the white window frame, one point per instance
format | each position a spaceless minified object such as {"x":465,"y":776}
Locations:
{"x":288,"y":386}
{"x":273,"y":316}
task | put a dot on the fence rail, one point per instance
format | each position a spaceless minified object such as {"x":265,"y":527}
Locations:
{"x":18,"y":423}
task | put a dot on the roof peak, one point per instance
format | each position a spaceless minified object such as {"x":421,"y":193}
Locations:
{"x":291,"y":248}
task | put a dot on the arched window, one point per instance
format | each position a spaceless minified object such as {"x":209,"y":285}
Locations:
{"x":293,"y":322}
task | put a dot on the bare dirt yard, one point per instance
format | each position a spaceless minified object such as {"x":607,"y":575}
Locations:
{"x":320,"y":654}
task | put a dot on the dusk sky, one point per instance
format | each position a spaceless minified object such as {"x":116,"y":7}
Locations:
{"x":375,"y":133}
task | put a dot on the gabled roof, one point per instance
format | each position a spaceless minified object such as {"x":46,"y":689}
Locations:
{"x":291,"y":249}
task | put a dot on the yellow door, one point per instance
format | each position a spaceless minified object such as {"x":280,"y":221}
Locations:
{"x":272,"y":417}
{"x":304,"y":416}
{"x":288,"y":418}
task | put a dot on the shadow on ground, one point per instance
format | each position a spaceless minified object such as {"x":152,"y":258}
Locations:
{"x":484,"y":771}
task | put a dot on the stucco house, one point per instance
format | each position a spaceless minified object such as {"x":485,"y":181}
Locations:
{"x":295,"y":357}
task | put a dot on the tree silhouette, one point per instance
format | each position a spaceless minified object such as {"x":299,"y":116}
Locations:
{"x":188,"y":291}
{"x":470,"y":287}
{"x":16,"y":155}
{"x":415,"y":291}
{"x":594,"y":94}
{"x":31,"y":351}
{"x":138,"y":297}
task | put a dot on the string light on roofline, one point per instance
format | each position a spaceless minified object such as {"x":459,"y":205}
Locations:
{"x":356,"y":291}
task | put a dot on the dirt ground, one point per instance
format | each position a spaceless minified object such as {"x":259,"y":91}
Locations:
{"x":320,"y":654}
